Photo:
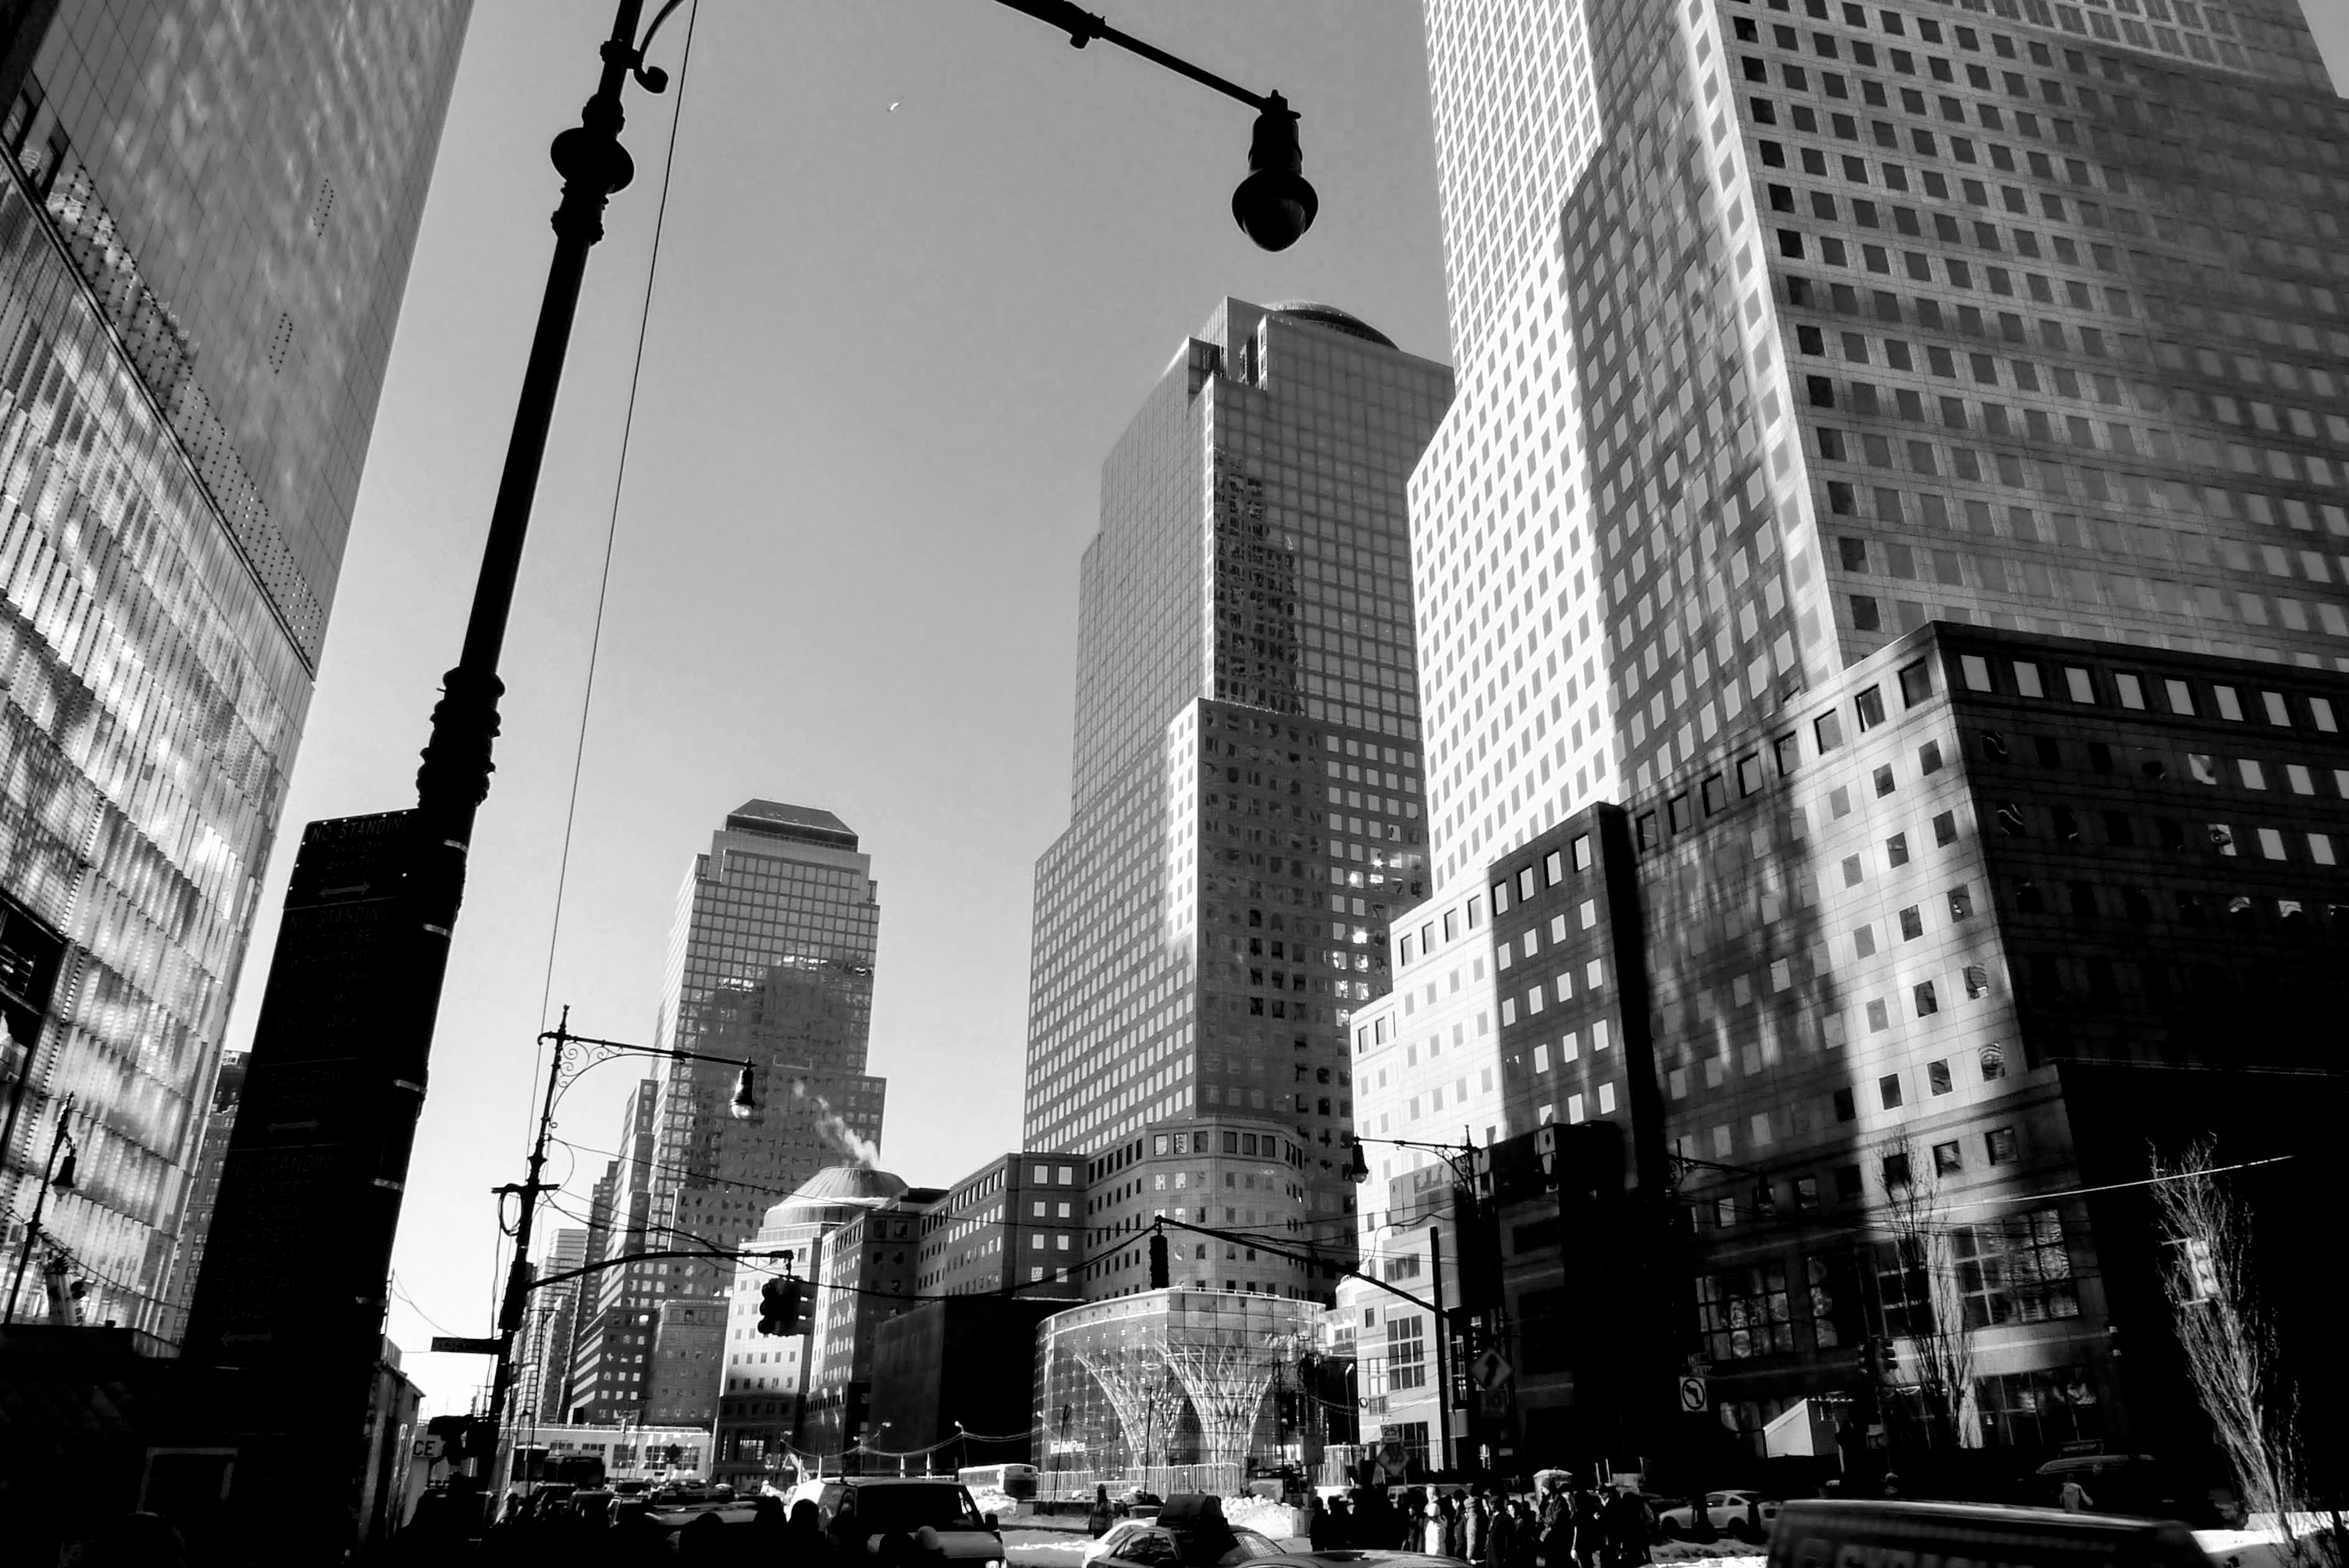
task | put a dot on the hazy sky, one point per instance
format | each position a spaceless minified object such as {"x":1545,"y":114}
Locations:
{"x":888,"y":351}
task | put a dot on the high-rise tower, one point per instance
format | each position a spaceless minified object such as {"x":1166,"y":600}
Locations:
{"x":204,"y":237}
{"x":771,"y":962}
{"x":1246,"y":812}
{"x":1795,"y":327}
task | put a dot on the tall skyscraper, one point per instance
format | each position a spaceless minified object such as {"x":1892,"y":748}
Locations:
{"x":204,"y":238}
{"x":1797,"y":326}
{"x":1245,"y":809}
{"x":551,"y":1330}
{"x":203,"y":1191}
{"x":771,"y":962}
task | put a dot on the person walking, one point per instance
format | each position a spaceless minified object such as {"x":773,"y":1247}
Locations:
{"x":1627,"y":1529}
{"x":1590,"y":1528}
{"x":1500,"y":1534}
{"x":1554,"y":1529}
{"x":1431,"y":1535}
{"x":1474,"y":1523}
{"x":1097,"y":1520}
{"x":2075,"y":1496}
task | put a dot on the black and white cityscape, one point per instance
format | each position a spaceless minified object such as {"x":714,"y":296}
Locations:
{"x":1700,"y":667}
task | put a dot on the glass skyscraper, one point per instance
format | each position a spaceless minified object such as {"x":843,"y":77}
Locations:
{"x":1789,"y":328}
{"x":771,"y":962}
{"x":206,"y":219}
{"x":1245,"y":811}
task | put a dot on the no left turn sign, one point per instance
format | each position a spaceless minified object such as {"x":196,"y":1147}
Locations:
{"x":1694,"y":1399}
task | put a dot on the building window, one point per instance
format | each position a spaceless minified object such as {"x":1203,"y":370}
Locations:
{"x":2039,"y":1410}
{"x":2015,"y":1269}
{"x":1946,"y":1162}
{"x":1999,"y":1143}
{"x":1746,"y":1312}
{"x":1827,"y":729}
{"x":1916,"y":683}
{"x":1870,"y":708}
{"x":1406,"y":1353}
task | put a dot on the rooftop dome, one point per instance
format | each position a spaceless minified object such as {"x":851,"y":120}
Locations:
{"x":1332,"y":318}
{"x":834,"y":1193}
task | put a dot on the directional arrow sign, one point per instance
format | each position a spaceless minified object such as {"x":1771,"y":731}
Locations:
{"x":1490,"y":1370}
{"x":450,"y":1344}
{"x":1694,"y":1397}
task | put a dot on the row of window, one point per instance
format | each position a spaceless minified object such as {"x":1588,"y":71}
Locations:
{"x":2188,"y":146}
{"x":2086,"y":900}
{"x":1884,"y":306}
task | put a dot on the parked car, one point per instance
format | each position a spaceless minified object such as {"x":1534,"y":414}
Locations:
{"x":861,"y":1511}
{"x":1146,"y":1541}
{"x":1732,"y":1512}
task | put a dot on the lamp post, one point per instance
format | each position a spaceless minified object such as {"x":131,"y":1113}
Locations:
{"x":1462,"y":1157}
{"x":54,"y":1178}
{"x":572,"y":1055}
{"x":1274,"y":205}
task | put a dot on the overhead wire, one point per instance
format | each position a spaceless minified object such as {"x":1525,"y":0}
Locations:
{"x":682,"y":77}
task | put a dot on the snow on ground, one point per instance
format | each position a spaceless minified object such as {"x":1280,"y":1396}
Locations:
{"x":1264,"y":1516}
{"x":1713,"y":1553}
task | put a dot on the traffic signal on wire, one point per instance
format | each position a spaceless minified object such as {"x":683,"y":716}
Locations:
{"x":784,"y":1306}
{"x":1158,"y":1277}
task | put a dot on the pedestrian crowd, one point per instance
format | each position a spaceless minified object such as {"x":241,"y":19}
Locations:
{"x":1561,"y":1524}
{"x":596,"y":1530}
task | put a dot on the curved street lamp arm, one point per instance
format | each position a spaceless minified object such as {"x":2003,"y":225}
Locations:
{"x":1082,"y":27}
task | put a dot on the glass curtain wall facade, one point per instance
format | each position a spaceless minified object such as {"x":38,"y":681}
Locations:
{"x":771,"y":962}
{"x":205,"y":224}
{"x":1183,"y":1389}
{"x":1246,"y":813}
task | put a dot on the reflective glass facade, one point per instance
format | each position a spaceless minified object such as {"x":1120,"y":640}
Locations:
{"x":771,"y":962}
{"x":1247,"y":811}
{"x":1187,"y":1388}
{"x":205,"y":222}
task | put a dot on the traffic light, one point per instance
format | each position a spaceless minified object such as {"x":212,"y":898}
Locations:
{"x":784,"y":1306}
{"x":1158,"y":1277}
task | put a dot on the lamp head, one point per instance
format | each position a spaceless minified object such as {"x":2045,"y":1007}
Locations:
{"x":744,"y":1102}
{"x":1358,"y":1168}
{"x":1274,"y":205}
{"x":64,"y":1179}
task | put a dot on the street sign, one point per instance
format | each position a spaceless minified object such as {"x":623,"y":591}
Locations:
{"x":453,"y":1345}
{"x":1490,"y":1370}
{"x":1694,"y":1397}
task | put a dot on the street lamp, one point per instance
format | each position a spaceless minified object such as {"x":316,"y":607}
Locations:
{"x":1461,"y":1157}
{"x":572,"y":1055}
{"x":1274,"y":205}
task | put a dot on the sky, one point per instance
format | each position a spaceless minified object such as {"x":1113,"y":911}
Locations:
{"x":921,"y":262}
{"x":888,"y":352}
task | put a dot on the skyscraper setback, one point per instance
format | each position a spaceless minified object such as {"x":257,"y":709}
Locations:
{"x":1800,"y":326}
{"x":203,"y":246}
{"x":771,"y":962}
{"x":1245,"y":809}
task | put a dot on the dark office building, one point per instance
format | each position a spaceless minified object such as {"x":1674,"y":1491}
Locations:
{"x":1937,"y":970}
